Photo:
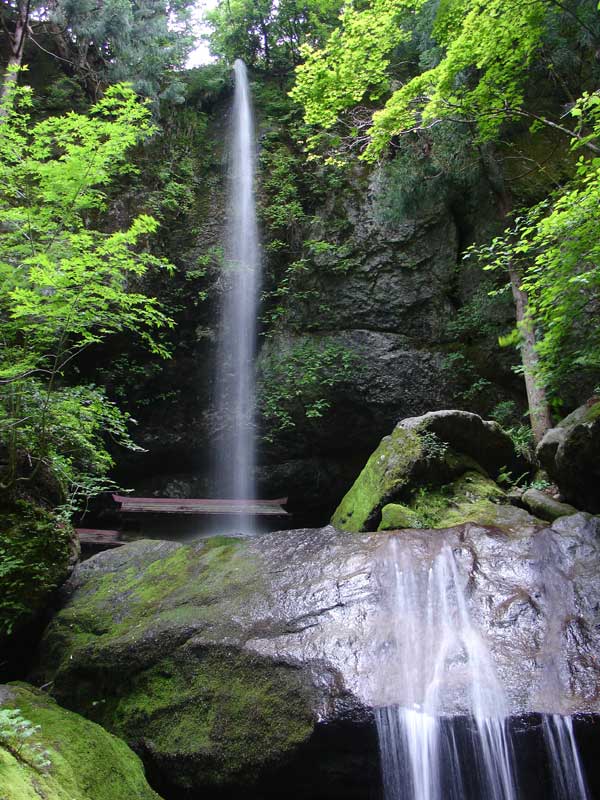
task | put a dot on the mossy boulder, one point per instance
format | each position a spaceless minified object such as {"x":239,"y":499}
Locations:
{"x":471,"y":498}
{"x":153,"y":645}
{"x":431,"y":450}
{"x":386,"y":475}
{"x":570,"y":453}
{"x":37,"y":554}
{"x":66,"y":758}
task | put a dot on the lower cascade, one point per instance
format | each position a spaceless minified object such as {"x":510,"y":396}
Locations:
{"x":435,"y":659}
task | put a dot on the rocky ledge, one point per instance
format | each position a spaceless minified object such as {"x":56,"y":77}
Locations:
{"x":254,"y":664}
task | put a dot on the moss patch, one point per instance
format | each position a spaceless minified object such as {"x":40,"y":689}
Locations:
{"x":35,"y":556}
{"x":471,"y":498}
{"x":150,"y":647}
{"x":385,"y":474}
{"x":223,"y":713}
{"x":396,"y":516}
{"x":87,"y":763}
{"x":125,"y":618}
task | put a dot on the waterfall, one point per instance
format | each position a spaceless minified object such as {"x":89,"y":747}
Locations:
{"x":235,"y":389}
{"x":443,"y":718}
{"x":568,"y":780}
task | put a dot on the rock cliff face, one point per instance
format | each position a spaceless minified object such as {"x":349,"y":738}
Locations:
{"x":390,"y":308}
{"x":254,"y":665}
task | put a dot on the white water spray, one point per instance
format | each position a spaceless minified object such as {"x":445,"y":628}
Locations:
{"x":235,"y":389}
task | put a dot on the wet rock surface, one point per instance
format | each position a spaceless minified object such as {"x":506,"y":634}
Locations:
{"x":243,"y":662}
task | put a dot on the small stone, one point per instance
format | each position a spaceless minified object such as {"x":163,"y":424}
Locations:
{"x":545,"y":506}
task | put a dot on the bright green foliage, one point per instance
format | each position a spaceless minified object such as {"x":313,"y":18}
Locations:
{"x":486,"y":50}
{"x":556,"y":248}
{"x":498,"y":39}
{"x":298,"y":382}
{"x":66,"y":284}
{"x":354,"y":60}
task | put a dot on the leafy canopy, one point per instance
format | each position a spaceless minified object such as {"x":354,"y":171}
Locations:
{"x":485,"y":51}
{"x":269,"y":33}
{"x":354,"y":60}
{"x":66,"y":282}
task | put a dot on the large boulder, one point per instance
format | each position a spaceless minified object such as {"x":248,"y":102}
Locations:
{"x":168,"y":647}
{"x":57,"y":755}
{"x":433,"y":449}
{"x":254,"y":665}
{"x":570,"y":453}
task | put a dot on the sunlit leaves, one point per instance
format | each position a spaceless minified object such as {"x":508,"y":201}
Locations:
{"x":354,"y":60}
{"x":67,"y":278}
{"x":480,"y":76}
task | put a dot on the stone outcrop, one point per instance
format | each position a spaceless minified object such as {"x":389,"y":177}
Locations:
{"x":430,"y":450}
{"x":63,"y":757}
{"x":570,"y":453}
{"x":254,"y":664}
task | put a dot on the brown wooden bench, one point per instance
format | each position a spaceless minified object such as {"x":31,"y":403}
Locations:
{"x":178,"y":505}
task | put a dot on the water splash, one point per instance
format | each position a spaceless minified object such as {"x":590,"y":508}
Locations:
{"x":235,"y":389}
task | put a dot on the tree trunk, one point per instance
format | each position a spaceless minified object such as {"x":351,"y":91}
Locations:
{"x":539,"y":410}
{"x":16,"y":42}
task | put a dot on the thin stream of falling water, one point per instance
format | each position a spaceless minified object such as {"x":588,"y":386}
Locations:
{"x":567,"y":773}
{"x":235,"y":387}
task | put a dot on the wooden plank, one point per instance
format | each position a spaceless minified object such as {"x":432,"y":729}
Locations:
{"x":176,"y":505}
{"x":126,"y":498}
{"x":98,"y":536}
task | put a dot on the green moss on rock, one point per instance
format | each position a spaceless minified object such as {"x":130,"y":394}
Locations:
{"x":36,"y":555}
{"x":471,"y":498}
{"x":396,"y":516}
{"x":86,"y":762}
{"x":223,"y":713}
{"x":151,"y":648}
{"x":385,"y":474}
